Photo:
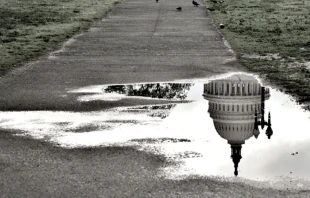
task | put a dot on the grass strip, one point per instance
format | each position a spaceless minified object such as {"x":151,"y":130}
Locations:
{"x":271,"y":38}
{"x":29,"y":28}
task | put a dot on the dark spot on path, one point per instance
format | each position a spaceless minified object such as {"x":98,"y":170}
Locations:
{"x":160,"y":140}
{"x":88,"y":128}
{"x":186,"y":154}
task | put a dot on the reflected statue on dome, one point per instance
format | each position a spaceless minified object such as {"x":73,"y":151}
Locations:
{"x":237,"y":107}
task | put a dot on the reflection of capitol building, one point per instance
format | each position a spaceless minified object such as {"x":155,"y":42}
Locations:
{"x":232,"y":105}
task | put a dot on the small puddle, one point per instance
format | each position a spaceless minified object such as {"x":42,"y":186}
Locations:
{"x":220,"y":128}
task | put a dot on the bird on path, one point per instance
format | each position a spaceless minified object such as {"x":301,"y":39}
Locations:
{"x":195,"y":3}
{"x":179,"y":8}
{"x":156,"y":1}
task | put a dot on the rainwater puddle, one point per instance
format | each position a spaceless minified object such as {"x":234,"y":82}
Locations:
{"x":207,"y":125}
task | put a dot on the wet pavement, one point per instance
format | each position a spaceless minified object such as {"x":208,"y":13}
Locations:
{"x":211,"y":127}
{"x":156,"y":79}
{"x":139,"y":41}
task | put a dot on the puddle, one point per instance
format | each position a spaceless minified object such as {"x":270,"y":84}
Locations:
{"x":212,"y":134}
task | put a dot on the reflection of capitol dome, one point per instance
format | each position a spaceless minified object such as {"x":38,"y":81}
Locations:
{"x":232,"y":105}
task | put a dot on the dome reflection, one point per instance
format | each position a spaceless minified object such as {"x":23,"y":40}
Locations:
{"x":235,"y":105}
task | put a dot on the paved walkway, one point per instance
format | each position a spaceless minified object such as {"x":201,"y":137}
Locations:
{"x":140,"y":41}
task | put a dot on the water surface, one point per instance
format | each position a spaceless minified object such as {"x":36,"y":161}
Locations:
{"x":203,"y":124}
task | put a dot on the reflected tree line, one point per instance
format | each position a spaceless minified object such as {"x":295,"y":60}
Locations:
{"x":158,"y":90}
{"x":156,"y":107}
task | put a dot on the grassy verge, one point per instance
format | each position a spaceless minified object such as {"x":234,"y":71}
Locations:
{"x":270,"y":37}
{"x":30,"y":28}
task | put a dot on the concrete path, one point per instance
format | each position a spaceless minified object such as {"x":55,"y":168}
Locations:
{"x":140,"y":41}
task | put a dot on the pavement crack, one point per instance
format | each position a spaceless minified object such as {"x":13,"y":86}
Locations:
{"x":155,"y":27}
